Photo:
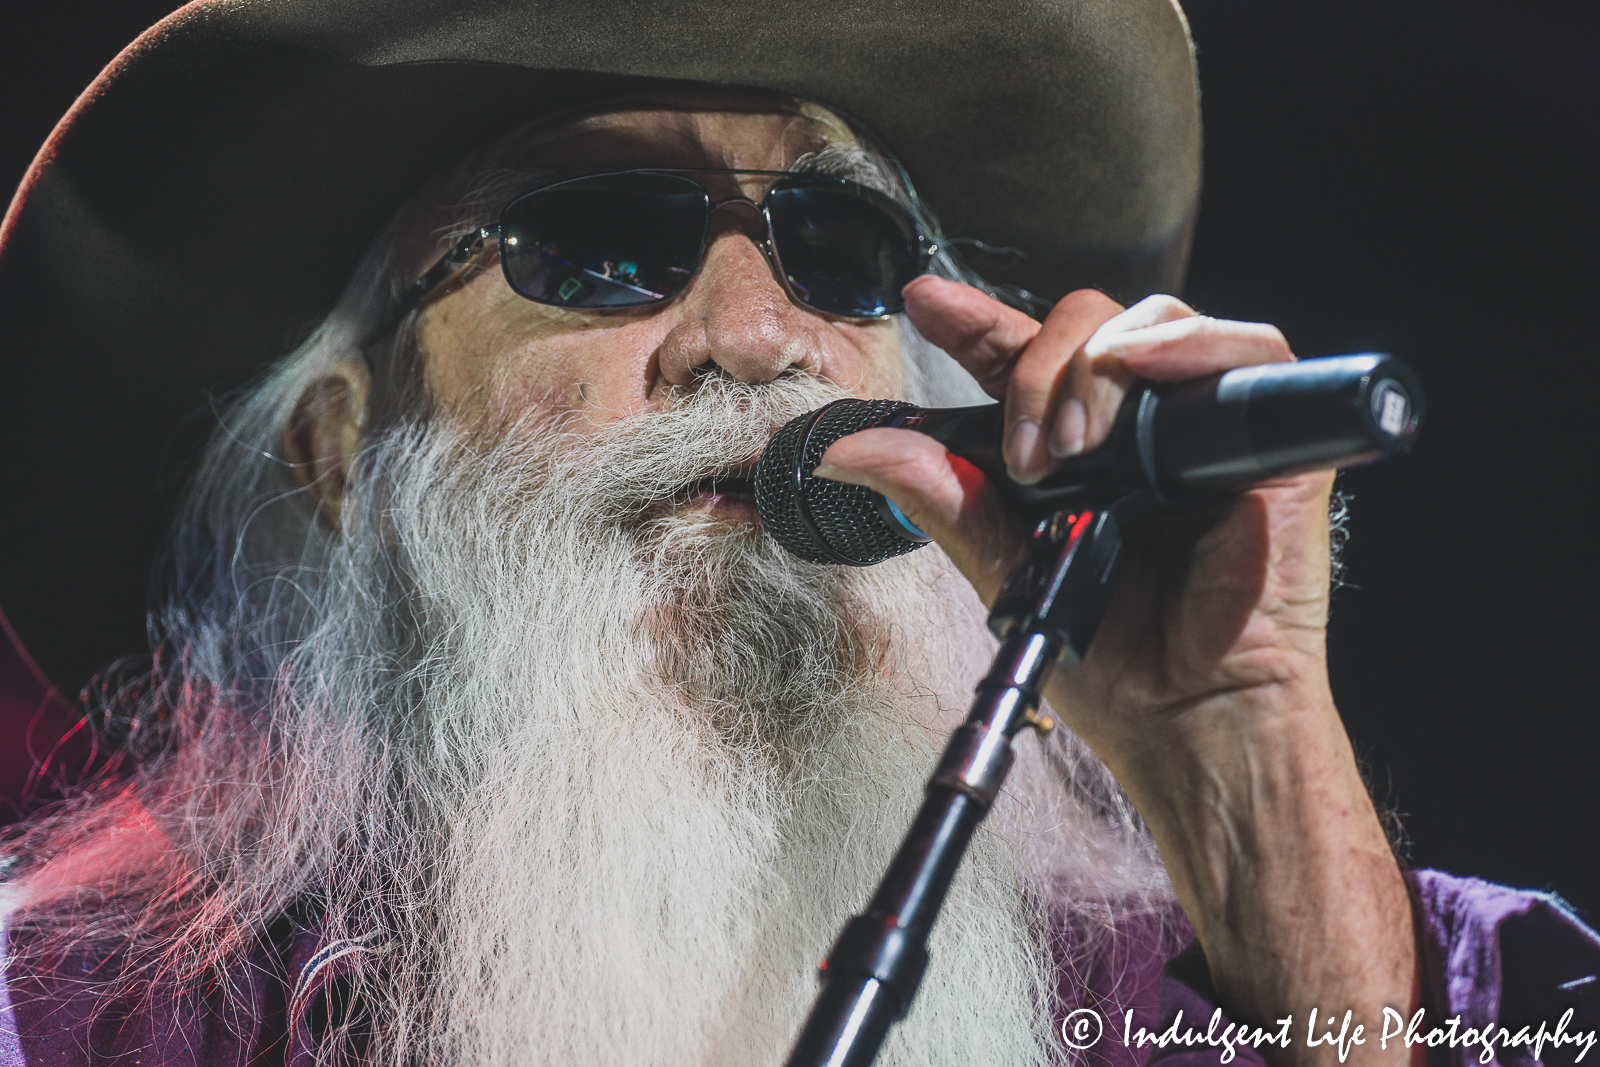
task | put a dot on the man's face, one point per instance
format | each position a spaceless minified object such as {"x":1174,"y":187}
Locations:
{"x":487,"y":353}
{"x":720,"y":715}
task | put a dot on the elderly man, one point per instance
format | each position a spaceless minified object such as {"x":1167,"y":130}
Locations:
{"x":487,"y":725}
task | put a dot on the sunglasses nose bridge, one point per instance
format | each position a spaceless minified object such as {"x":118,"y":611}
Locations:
{"x":754,"y":224}
{"x":755,"y":215}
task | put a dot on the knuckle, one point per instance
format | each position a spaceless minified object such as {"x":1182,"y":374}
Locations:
{"x":1277,"y":340}
{"x":1262,"y":337}
{"x":1034,"y":382}
{"x":914,"y":473}
{"x":1086,"y":300}
{"x":1163,"y":303}
{"x":1032,"y":393}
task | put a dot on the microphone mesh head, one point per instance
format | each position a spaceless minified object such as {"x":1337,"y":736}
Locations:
{"x":818,"y":520}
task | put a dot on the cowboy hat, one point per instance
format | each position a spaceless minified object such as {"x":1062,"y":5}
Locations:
{"x":201,"y":206}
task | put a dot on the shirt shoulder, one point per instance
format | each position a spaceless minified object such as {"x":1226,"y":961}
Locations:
{"x":1510,"y":958}
{"x":1511,"y":961}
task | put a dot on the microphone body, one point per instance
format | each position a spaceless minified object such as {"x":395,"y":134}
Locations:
{"x":1186,"y":444}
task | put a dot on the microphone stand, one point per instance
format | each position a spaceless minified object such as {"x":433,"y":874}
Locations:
{"x":1046,"y":613}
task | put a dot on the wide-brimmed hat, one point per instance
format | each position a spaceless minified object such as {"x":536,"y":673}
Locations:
{"x":203,"y":203}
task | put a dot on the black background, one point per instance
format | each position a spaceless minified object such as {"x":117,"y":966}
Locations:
{"x":1416,"y":176}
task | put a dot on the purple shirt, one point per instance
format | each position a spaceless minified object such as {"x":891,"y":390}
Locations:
{"x":1493,"y":956}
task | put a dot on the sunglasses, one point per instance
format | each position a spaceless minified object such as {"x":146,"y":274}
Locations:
{"x":635,"y":238}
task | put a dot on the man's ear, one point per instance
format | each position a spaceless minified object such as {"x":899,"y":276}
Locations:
{"x":324,"y":434}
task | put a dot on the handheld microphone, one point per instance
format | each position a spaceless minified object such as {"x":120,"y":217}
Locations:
{"x":1185,"y":444}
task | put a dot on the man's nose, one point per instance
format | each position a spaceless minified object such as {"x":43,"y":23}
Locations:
{"x":737,"y":316}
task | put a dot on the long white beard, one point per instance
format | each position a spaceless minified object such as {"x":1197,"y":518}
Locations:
{"x":602,"y":774}
{"x":669,"y":761}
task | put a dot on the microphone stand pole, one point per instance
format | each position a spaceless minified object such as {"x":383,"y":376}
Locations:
{"x":1047,"y":613}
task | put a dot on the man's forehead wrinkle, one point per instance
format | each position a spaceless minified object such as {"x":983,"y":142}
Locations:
{"x":810,"y":140}
{"x":594,"y":141}
{"x":683,"y":135}
{"x":683,"y":139}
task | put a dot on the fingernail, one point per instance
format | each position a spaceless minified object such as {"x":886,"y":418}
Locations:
{"x":1072,"y":424}
{"x":1022,"y":448}
{"x":834,"y":472}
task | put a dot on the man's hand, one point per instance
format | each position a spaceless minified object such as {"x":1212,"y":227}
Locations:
{"x":1206,"y":688}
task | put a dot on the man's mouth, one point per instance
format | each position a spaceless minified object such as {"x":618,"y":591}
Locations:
{"x":732,"y":488}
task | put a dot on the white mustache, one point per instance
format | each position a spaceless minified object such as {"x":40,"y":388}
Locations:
{"x":644,"y":461}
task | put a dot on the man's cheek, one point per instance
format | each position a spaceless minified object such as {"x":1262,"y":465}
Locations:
{"x":869,"y":362}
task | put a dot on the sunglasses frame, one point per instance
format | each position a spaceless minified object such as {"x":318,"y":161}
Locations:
{"x":465,"y":253}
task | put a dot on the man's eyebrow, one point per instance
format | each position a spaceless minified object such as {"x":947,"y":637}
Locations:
{"x":851,"y":162}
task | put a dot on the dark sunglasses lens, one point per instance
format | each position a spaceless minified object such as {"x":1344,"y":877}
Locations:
{"x":845,"y":250}
{"x":609,"y":241}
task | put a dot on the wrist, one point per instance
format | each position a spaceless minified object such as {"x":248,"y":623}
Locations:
{"x":1251,"y":793}
{"x":1276,"y":853}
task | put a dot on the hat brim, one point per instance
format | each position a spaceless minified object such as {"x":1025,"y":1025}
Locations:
{"x":202,"y":205}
